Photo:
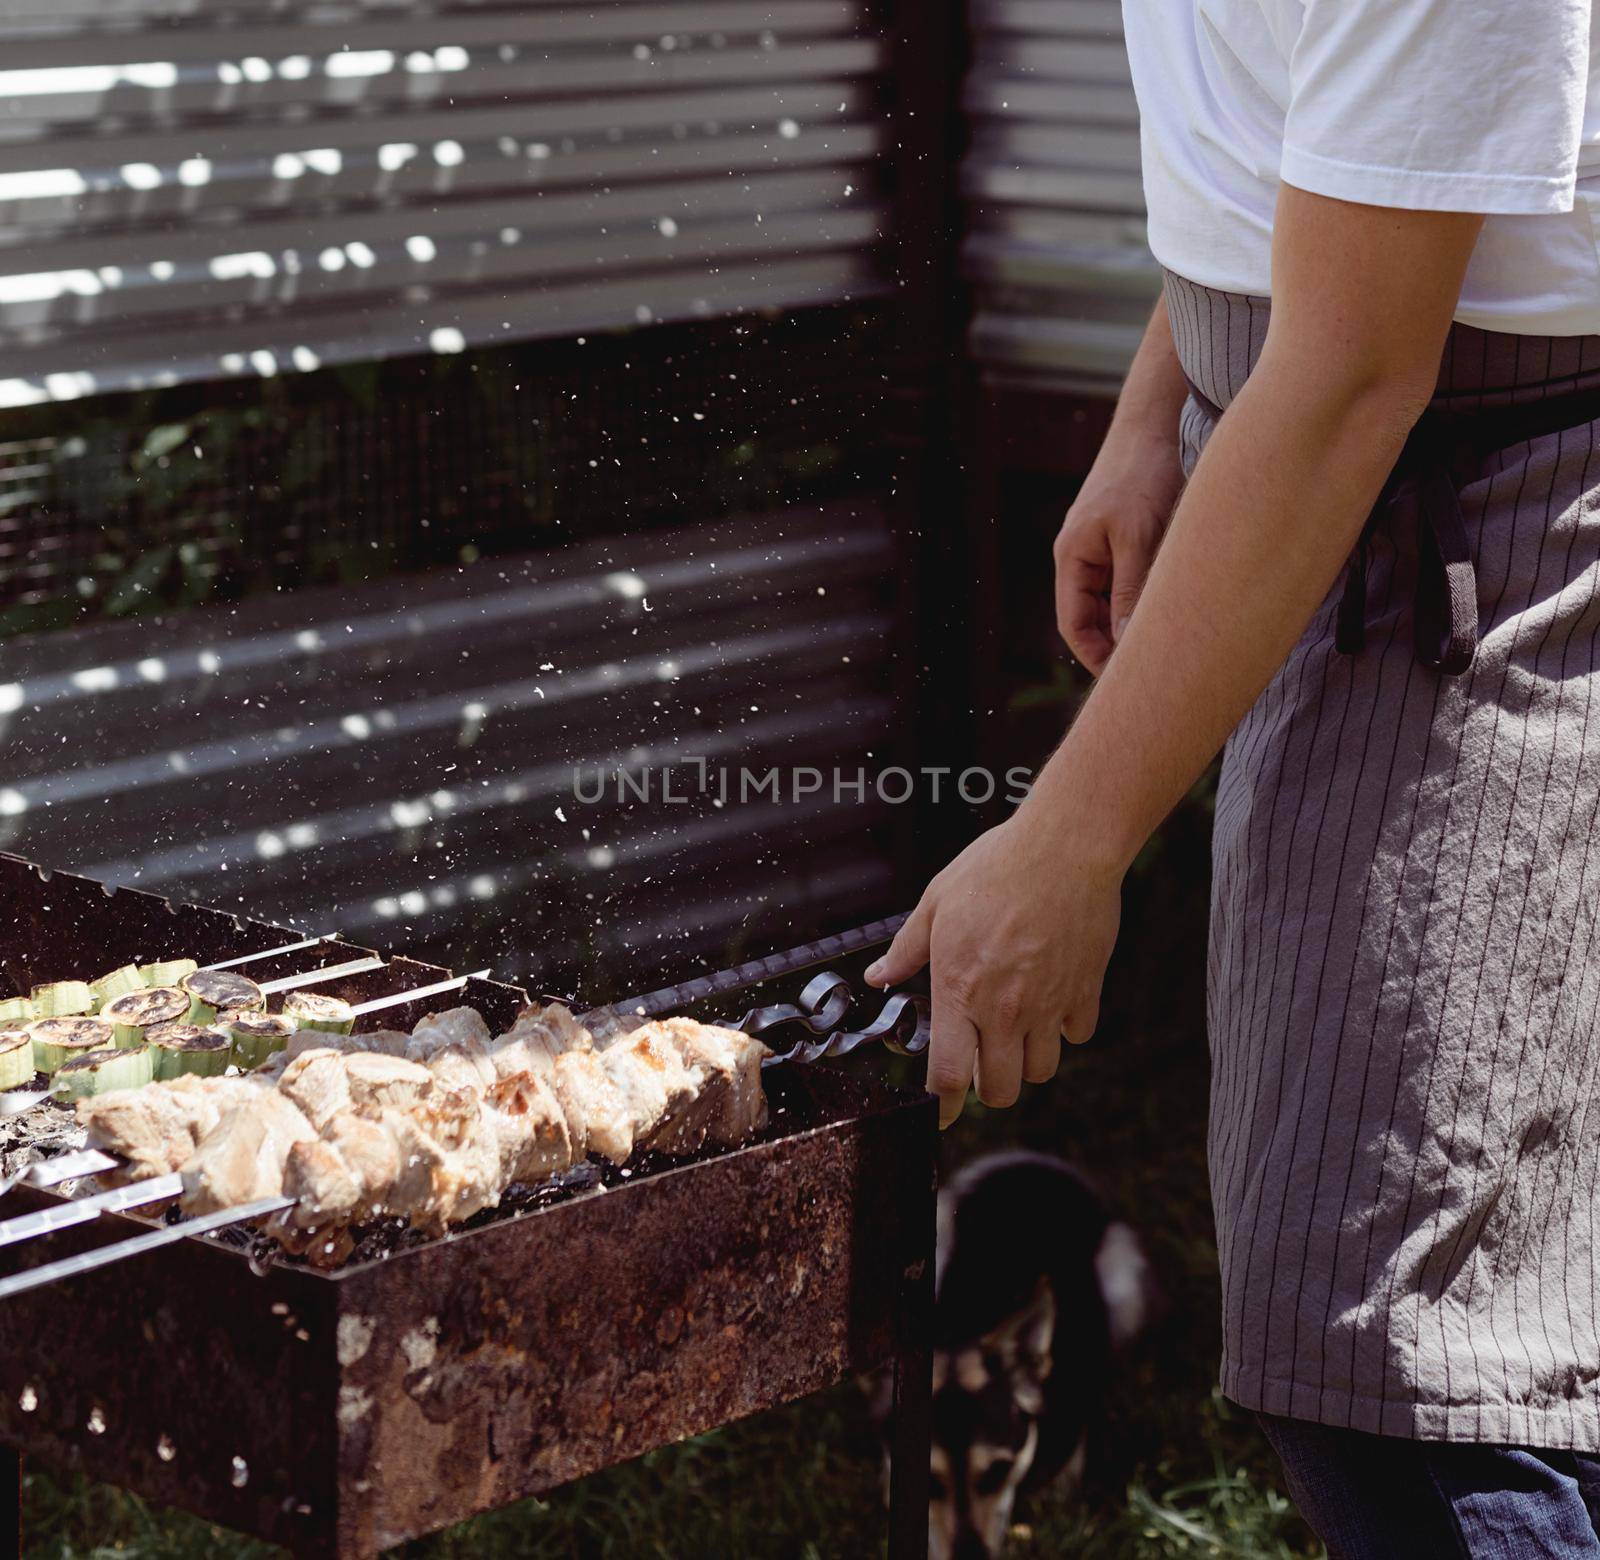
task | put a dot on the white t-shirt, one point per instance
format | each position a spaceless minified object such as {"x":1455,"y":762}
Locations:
{"x":1444,"y":105}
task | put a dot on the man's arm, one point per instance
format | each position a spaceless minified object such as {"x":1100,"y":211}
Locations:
{"x":1020,"y":926}
{"x":1362,"y":299}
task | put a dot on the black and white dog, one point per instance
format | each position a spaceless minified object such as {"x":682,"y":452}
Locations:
{"x":1038,"y":1290}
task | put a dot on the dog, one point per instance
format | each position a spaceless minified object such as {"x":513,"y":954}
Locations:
{"x":1038,"y":1290}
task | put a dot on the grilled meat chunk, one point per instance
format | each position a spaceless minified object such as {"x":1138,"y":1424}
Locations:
{"x":531,"y":1129}
{"x":539,"y":1036}
{"x":242,"y":1157}
{"x":652,"y":1079}
{"x":317,"y":1082}
{"x":155,"y":1129}
{"x":459,"y":1026}
{"x":345,"y":1176}
{"x":464,"y":1164}
{"x":598,"y":1115}
{"x":386,"y":1082}
{"x":731,"y":1106}
{"x":458,"y":1067}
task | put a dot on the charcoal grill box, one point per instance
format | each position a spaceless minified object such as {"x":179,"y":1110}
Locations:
{"x":341,"y":1413}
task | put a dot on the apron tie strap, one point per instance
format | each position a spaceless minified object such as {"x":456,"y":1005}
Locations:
{"x":1445,"y":608}
{"x":1445,"y":618}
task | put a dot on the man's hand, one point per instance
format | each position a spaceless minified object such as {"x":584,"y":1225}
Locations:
{"x":1111,"y":533}
{"x":1019,"y":928}
{"x":1108,"y":542}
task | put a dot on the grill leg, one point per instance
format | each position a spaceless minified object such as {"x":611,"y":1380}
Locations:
{"x":10,"y":1501}
{"x":911,"y":1442}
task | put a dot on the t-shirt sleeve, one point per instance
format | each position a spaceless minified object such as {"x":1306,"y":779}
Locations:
{"x":1439,"y":105}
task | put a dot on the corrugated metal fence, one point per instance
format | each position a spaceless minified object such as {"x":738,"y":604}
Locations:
{"x":1056,"y":249}
{"x":559,"y":762}
{"x":194,"y":190}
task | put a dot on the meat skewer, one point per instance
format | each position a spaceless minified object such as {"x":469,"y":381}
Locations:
{"x":155,"y":1131}
{"x":346,"y":1135}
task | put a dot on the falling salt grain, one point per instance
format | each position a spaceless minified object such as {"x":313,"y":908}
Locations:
{"x":165,"y":1450}
{"x":28,"y":1400}
{"x":241,"y":1473}
{"x":97,"y":1421}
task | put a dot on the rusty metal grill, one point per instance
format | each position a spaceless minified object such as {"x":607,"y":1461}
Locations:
{"x":344,"y":1412}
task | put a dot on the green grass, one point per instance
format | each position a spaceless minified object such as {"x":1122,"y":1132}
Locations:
{"x":1183,"y":1473}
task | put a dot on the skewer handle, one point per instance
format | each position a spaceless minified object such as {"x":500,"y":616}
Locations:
{"x":120,"y":1251}
{"x":901,"y":1024}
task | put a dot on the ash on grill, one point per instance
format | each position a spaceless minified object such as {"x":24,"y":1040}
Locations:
{"x":41,"y":1133}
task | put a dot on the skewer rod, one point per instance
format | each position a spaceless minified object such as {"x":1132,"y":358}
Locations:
{"x":64,"y":1167}
{"x":400,"y":998}
{"x":80,"y":1210}
{"x":89,"y":1261}
{"x":272,"y":953}
{"x":317,"y":977}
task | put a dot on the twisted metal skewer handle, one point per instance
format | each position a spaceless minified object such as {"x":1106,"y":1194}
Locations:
{"x":901,"y":1024}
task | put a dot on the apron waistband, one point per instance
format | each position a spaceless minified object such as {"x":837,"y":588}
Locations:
{"x":1442,"y":452}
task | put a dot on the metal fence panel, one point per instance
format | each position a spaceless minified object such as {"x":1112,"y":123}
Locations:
{"x":317,"y":183}
{"x":433,"y":761}
{"x":1055,"y":250}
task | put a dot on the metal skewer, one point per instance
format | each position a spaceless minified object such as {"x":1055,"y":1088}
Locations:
{"x":317,"y":977}
{"x":271,"y":953}
{"x":825,"y":950}
{"x":81,"y":1210}
{"x":71,"y":1267}
{"x":400,"y":998}
{"x":64,"y":1167}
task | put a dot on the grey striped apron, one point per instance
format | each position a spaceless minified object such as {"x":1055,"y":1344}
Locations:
{"x":1404,"y":971}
